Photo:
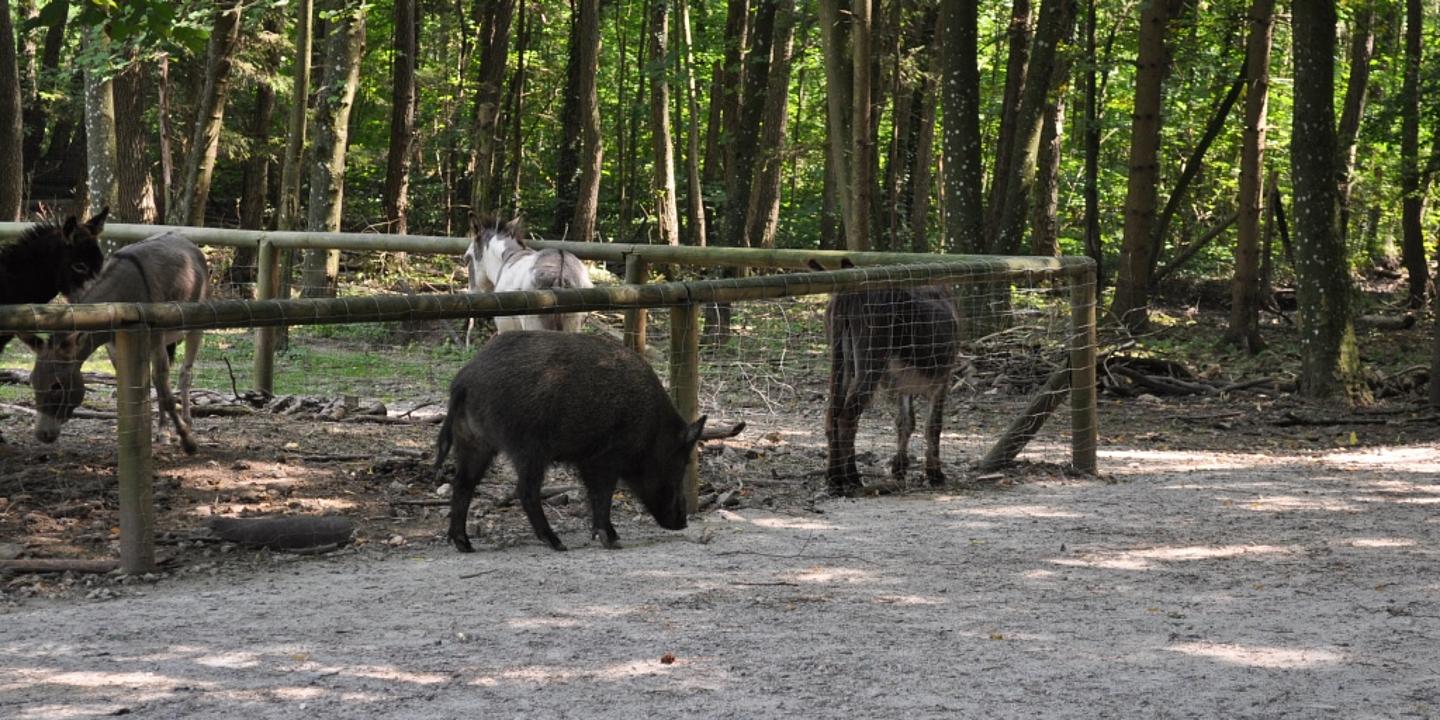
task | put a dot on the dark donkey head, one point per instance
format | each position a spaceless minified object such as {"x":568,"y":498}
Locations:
{"x":50,"y":259}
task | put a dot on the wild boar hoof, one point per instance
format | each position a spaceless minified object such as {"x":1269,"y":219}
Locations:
{"x":462,"y":544}
{"x":935,"y":477}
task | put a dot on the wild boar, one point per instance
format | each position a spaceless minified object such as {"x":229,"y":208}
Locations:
{"x":543,"y":397}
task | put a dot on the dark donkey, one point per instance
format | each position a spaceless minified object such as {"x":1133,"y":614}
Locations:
{"x":904,"y":339}
{"x":163,"y":268}
{"x":50,"y":259}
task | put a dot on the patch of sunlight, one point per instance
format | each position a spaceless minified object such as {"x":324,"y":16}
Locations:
{"x":1291,"y":503}
{"x":830,"y":575}
{"x":542,"y":622}
{"x":1021,"y":511}
{"x":1402,"y":501}
{"x":1381,"y":542}
{"x":789,"y":523}
{"x":908,"y":600}
{"x":1149,"y":462}
{"x":542,"y":674}
{"x":1408,"y":459}
{"x":298,"y":693}
{"x":1145,"y":559}
{"x":133,"y":681}
{"x":382,"y":672}
{"x":1260,"y":656}
{"x":1402,"y":486}
{"x":236,"y":659}
{"x":1039,"y":574}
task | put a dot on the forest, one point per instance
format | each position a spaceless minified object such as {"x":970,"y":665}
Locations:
{"x":1270,"y":145}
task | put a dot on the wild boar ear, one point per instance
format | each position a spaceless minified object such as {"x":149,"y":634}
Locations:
{"x":815,"y":265}
{"x":693,"y":432}
{"x":845,"y":264}
{"x":97,"y":223}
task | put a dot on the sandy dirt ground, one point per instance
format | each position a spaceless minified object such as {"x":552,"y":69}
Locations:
{"x":1188,"y":583}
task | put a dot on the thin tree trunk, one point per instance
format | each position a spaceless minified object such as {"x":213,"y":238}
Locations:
{"x":209,"y":117}
{"x":667,"y":213}
{"x":1045,"y":235}
{"x":1092,"y":153}
{"x":288,"y":215}
{"x":1044,"y":74}
{"x":517,"y":104}
{"x":960,"y":95}
{"x":923,"y":157}
{"x":12,"y":131}
{"x":587,"y":54}
{"x":1132,"y":285}
{"x":1245,"y":290}
{"x":36,"y":117}
{"x":256,"y":188}
{"x":1412,"y":244}
{"x":567,"y":155}
{"x":846,"y":41}
{"x":1329,"y":360}
{"x":1362,"y":48}
{"x":100,"y":141}
{"x":403,"y":98}
{"x":695,"y":192}
{"x":745,"y":145}
{"x":164,"y":197}
{"x":1016,"y":67}
{"x":494,"y":50}
{"x":763,"y":214}
{"x":343,"y":47}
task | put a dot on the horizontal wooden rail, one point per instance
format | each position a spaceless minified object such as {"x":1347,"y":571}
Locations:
{"x":385,"y":308}
{"x":609,"y":252}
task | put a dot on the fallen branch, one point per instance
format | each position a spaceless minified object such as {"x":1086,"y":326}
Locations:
{"x":46,"y":565}
{"x":1291,"y":419}
{"x":293,"y":532}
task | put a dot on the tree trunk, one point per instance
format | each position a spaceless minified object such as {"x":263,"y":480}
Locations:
{"x":1132,"y":285}
{"x":1412,"y":244}
{"x":12,"y":131}
{"x":695,"y":191}
{"x":494,"y":49}
{"x":1091,"y":191}
{"x":1044,"y":74}
{"x":1329,"y":361}
{"x":1016,"y":66}
{"x":763,"y":212}
{"x":960,"y":95}
{"x":403,"y":99}
{"x":923,"y":157}
{"x":725,"y":94}
{"x":517,"y":102}
{"x":567,"y":155}
{"x":100,"y":141}
{"x":209,"y":117}
{"x":740,"y":172}
{"x":1245,"y":289}
{"x":587,"y":54}
{"x":288,"y":215}
{"x":846,"y":41}
{"x":255,"y":191}
{"x":343,"y":47}
{"x":667,"y":212}
{"x":1045,"y":235}
{"x":135,"y":190}
{"x":1362,"y":48}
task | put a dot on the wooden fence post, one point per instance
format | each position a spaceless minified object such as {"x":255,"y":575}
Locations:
{"x":266,"y":287}
{"x":135,"y":468}
{"x":685,"y":384}
{"x":637,"y":271}
{"x":1084,"y":416}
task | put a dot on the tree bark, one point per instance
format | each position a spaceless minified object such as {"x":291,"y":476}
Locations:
{"x":100,"y":141}
{"x":667,"y":211}
{"x":1329,"y":361}
{"x":846,"y":41}
{"x":517,"y":104}
{"x":1045,"y":235}
{"x":1016,"y":66}
{"x":1245,"y":289}
{"x":567,"y":155}
{"x":1132,"y":285}
{"x":494,"y":49}
{"x":744,"y":145}
{"x":288,"y":215}
{"x":1412,"y":244}
{"x":960,"y":97}
{"x":209,"y":117}
{"x":135,"y":190}
{"x":343,"y":47}
{"x":12,"y":131}
{"x":1091,"y":190}
{"x":403,"y":100}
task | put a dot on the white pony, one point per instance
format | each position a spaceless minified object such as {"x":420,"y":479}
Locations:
{"x":499,"y":261}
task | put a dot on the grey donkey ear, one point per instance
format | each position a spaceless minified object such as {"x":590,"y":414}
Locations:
{"x":474,"y":224}
{"x":516,"y":228}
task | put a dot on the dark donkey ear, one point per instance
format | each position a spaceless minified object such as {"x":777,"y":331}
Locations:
{"x":97,"y":223}
{"x":67,"y":230}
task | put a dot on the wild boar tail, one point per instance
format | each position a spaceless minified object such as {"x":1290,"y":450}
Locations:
{"x":442,"y":443}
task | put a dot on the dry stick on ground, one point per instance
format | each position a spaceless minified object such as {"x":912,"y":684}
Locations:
{"x":43,"y":565}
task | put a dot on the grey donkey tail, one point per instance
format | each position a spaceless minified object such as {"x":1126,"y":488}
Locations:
{"x":442,"y":443}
